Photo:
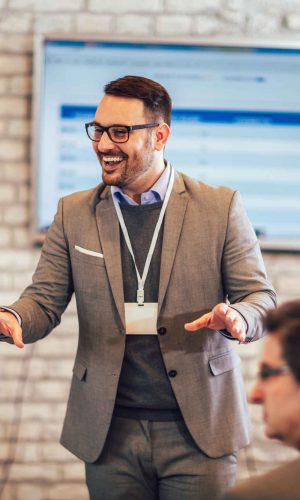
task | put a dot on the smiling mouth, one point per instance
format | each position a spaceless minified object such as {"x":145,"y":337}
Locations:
{"x":111,"y":162}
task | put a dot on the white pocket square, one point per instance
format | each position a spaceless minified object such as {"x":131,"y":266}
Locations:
{"x":89,"y":252}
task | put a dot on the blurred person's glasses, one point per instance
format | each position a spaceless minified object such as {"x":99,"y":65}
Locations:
{"x":267,"y":372}
{"x":116,"y":133}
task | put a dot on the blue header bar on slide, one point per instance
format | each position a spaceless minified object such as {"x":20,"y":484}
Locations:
{"x":203,"y":116}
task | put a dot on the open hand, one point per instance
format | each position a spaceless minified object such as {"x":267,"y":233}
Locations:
{"x":221,"y":317}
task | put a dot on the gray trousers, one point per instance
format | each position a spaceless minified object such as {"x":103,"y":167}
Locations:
{"x":145,"y":460}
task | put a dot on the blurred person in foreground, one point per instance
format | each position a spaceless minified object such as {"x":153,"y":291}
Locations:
{"x":277,"y":389}
{"x":157,"y":409}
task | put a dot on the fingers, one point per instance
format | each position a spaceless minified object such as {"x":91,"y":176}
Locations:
{"x":10,"y":327}
{"x":4,"y":328}
{"x":233,"y":321}
{"x":16,"y":335}
{"x":222,"y":317}
{"x":201,"y":322}
{"x":237,"y":330}
{"x":222,"y":311}
{"x":213,"y":320}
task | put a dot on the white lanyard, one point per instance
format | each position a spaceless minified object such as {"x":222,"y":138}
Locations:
{"x":141,"y":280}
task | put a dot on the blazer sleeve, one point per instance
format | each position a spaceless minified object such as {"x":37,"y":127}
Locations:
{"x":42,"y":303}
{"x":243,"y":272}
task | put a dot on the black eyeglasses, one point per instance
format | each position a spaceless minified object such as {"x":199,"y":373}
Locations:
{"x":267,"y":372}
{"x":116,"y":133}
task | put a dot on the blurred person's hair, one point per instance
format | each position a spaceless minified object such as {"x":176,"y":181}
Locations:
{"x":284,"y":322}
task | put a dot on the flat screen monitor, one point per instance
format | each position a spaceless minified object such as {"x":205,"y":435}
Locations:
{"x":235,"y":121}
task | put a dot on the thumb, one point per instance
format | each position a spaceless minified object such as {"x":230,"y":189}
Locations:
{"x":16,"y":335}
{"x":13,"y":331}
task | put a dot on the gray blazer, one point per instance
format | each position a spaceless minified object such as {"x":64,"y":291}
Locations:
{"x":209,"y":253}
{"x":281,"y":483}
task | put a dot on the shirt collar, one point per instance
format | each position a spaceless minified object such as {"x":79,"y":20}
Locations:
{"x":156,"y":193}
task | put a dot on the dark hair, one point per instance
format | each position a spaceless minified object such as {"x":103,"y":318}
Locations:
{"x":156,"y":98}
{"x":284,"y":322}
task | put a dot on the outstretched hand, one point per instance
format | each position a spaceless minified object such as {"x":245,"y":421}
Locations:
{"x":221,"y":317}
{"x":10,"y":327}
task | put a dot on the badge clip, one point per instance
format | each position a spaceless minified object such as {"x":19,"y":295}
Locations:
{"x":140,"y":297}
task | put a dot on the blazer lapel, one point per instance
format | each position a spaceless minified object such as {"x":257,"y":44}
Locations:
{"x":174,"y":217}
{"x":108,"y":226}
{"x":109,"y":232}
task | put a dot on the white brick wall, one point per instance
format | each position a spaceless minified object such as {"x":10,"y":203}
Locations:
{"x":9,"y":149}
{"x":47,"y":5}
{"x":13,"y":107}
{"x":14,"y":23}
{"x":94,"y":23}
{"x":207,"y":25}
{"x":19,"y":43}
{"x":194,"y":6}
{"x":13,"y":64}
{"x":119,"y":7}
{"x":35,"y":381}
{"x":135,"y":24}
{"x":47,"y":23}
{"x":173,"y":24}
{"x":3,"y":89}
{"x":293,"y":22}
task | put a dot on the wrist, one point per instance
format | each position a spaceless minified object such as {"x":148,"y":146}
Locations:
{"x":13,"y":313}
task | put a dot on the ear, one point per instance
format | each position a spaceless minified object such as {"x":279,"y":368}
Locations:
{"x":161,"y":136}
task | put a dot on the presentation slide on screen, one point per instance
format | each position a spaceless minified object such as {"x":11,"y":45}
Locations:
{"x":235,"y":122}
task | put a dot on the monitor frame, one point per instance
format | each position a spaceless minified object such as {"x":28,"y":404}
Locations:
{"x":37,"y":237}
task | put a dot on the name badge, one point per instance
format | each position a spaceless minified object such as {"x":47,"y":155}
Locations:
{"x":141,"y":320}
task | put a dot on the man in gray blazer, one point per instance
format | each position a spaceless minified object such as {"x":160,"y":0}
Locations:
{"x":156,"y":409}
{"x":278,"y":391}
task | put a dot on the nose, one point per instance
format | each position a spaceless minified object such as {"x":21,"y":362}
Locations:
{"x":105,"y":143}
{"x":256,"y":395}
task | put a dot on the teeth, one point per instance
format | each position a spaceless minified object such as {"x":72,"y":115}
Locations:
{"x":110,"y":159}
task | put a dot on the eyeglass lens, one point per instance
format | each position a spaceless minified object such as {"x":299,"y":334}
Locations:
{"x":116,"y":134}
{"x":268,"y":372}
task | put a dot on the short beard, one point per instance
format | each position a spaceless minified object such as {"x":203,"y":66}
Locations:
{"x":120,"y":181}
{"x":129,"y":172}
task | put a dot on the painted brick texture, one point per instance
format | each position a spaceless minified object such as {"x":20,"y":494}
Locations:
{"x":35,"y":381}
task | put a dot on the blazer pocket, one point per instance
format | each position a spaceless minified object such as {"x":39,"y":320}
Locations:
{"x":89,"y":252}
{"x":86,"y":256}
{"x":79,"y":371}
{"x":224,"y":362}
